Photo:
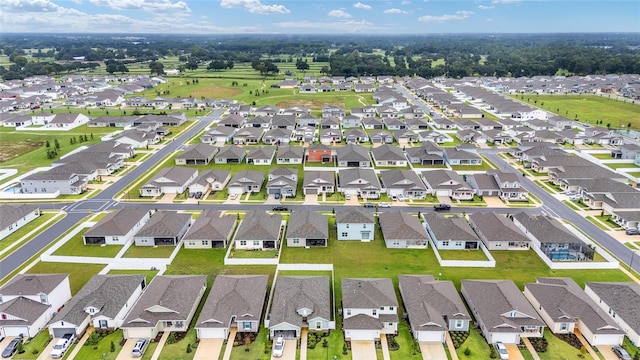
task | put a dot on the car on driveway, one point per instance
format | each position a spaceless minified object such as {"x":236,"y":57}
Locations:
{"x":139,"y":347}
{"x":278,"y":347}
{"x":12,"y":347}
{"x":233,"y":196}
{"x":621,"y":353}
{"x":502,"y":350}
{"x":347,"y":196}
{"x":441,"y":207}
{"x":632,"y":231}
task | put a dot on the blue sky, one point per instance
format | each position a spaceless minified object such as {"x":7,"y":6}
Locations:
{"x":319,"y":17}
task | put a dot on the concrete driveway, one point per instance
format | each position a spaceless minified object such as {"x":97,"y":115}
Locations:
{"x":363,"y":350}
{"x":44,"y":355}
{"x":289,"y":350}
{"x":514,"y":352}
{"x":493,"y":201}
{"x":607,"y":352}
{"x":125,"y":353}
{"x":432,"y":351}
{"x":208,"y":349}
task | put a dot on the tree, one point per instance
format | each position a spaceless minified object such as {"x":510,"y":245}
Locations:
{"x":56,"y":144}
{"x":112,"y":67}
{"x":324,"y":70}
{"x":302,"y":65}
{"x":156,"y":67}
{"x":47,"y":144}
{"x":192,"y":65}
{"x":20,"y":61}
{"x":217,"y":65}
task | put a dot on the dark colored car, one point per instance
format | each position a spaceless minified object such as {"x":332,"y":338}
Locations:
{"x":12,"y":347}
{"x":369,"y":205}
{"x":280,"y":208}
{"x":621,"y":353}
{"x":632,"y":232}
{"x":441,"y":207}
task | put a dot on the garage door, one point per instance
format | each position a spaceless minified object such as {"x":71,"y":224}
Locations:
{"x":11,"y":331}
{"x":60,"y":332}
{"x":362,"y":335}
{"x":214,"y":333}
{"x":505,"y":338}
{"x":431,"y":336}
{"x":273,"y":191}
{"x":313,"y":191}
{"x":442,"y":193}
{"x":287,"y":334}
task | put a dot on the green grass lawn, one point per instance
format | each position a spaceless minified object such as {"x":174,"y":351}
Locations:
{"x":606,"y":156}
{"x":478,"y":347}
{"x":79,"y":274}
{"x":249,"y":254}
{"x":622,"y":165}
{"x":335,"y":341}
{"x":256,"y":348}
{"x":462,"y":255}
{"x":178,"y":350}
{"x":560,"y":350}
{"x":149,"y":251}
{"x":95,"y":352}
{"x":76,"y":247}
{"x":482,"y":167}
{"x":149,"y":274}
{"x":405,"y":341}
{"x":9,"y":240}
{"x":37,"y":343}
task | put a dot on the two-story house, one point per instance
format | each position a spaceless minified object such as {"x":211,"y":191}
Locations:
{"x":369,"y":308}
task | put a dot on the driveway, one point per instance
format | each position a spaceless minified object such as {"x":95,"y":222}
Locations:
{"x":125,"y":353}
{"x":208,"y":349}
{"x":289,"y":350}
{"x":44,"y":355}
{"x":514,"y":352}
{"x":363,"y":350}
{"x":432,"y":351}
{"x":607,"y":352}
{"x":310,"y":199}
{"x":493,"y":201}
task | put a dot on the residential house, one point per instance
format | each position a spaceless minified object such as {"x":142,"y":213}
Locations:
{"x":381,"y":137}
{"x":211,"y":229}
{"x":300,"y":302}
{"x":259,"y":231}
{"x":266,"y":111}
{"x":277,"y":136}
{"x":389,"y":155}
{"x":402,"y":230}
{"x":218,"y":134}
{"x":319,"y":182}
{"x":454,"y":156}
{"x":447,"y":183}
{"x":497,"y":232}
{"x":282,"y":181}
{"x":351,"y":121}
{"x":359,"y":182}
{"x":329,"y":111}
{"x":283,"y":122}
{"x":405,"y":137}
{"x":246,"y":181}
{"x":15,"y":216}
{"x":629,"y":219}
{"x":164,"y":228}
{"x":404,"y":182}
{"x":103,"y":302}
{"x":258,"y":122}
{"x":248,"y":135}
{"x":261,"y":155}
{"x":355,"y":136}
{"x":290,"y":154}
{"x":67,"y":121}
{"x":565,"y":308}
{"x":210,"y":180}
{"x":320,"y":153}
{"x":138,"y":138}
{"x":330,"y":123}
{"x":433,"y":307}
{"x":231,"y":154}
{"x":626,"y":151}
{"x":450,"y":233}
{"x":355,"y":224}
{"x":621,"y":302}
{"x":308,"y":120}
{"x":501,"y":311}
{"x":233,"y":121}
{"x":369,"y":308}
{"x":427,"y":154}
{"x":54,"y":181}
{"x":28,"y":301}
{"x":169,"y":180}
{"x":330,"y":136}
{"x":235,"y":301}
{"x":307,"y":228}
{"x":117,"y":227}
{"x":305,"y":134}
{"x":168,"y":304}
{"x":197,"y":154}
{"x":352,"y":155}
{"x":372,"y":123}
{"x":498,"y":183}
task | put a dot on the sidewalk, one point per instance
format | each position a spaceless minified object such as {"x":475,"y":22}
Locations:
{"x":163,"y":340}
{"x":385,"y":347}
{"x":76,"y":349}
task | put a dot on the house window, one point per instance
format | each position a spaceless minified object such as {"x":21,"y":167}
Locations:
{"x":564,"y":326}
{"x":347,"y":226}
{"x":243,"y":242}
{"x":318,"y":325}
{"x":344,"y":234}
{"x":348,"y":312}
{"x":246,"y":325}
{"x":374,"y":312}
{"x":256,"y":242}
{"x":381,"y":308}
{"x":366,"y":235}
{"x":115,"y":238}
{"x":191,"y":242}
{"x":364,"y":226}
{"x":498,"y":244}
{"x":390,"y":308}
{"x":43,"y":298}
{"x":445,"y":243}
{"x":205,"y":242}
{"x":296,"y":241}
{"x":458,"y":243}
{"x":458,"y":324}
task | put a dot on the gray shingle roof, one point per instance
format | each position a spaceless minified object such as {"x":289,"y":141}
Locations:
{"x":546,"y":229}
{"x":368,"y":293}
{"x":358,"y":177}
{"x":325,"y":178}
{"x":397,"y":225}
{"x":308,"y":224}
{"x":353,"y":152}
{"x":404,"y":179}
{"x":164,"y":223}
{"x":25,"y":311}
{"x":117,"y":223}
{"x":259,"y":225}
{"x":354,"y":216}
{"x":198,"y":151}
{"x":177,"y":175}
{"x":388,"y":152}
{"x":494,"y":227}
{"x":32,"y":284}
{"x":294,"y":293}
{"x":623,"y":298}
{"x":10,"y":213}
{"x":450,"y":227}
{"x":444,"y":179}
{"x":211,"y":225}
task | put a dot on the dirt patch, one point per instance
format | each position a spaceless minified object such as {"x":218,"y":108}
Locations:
{"x":17,"y":149}
{"x":214,"y":92}
{"x":311,"y":104}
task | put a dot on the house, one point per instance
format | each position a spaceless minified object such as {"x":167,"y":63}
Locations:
{"x":230,"y":155}
{"x":330,"y":123}
{"x":319,"y":182}
{"x":427,"y":154}
{"x":433,"y":307}
{"x":627,"y":219}
{"x":168,"y":304}
{"x":369,"y":308}
{"x":329,"y":111}
{"x":282,"y":181}
{"x":352,"y":155}
{"x":305,"y":134}
{"x":371,"y":123}
{"x":211,"y":229}
{"x":164,"y":228}
{"x":626,"y":151}
{"x":67,"y":121}
{"x":248,"y":135}
{"x":621,"y":302}
{"x":351,"y":121}
{"x":455,"y":156}
{"x":359,"y":182}
{"x":218,"y":134}
{"x":258,"y":122}
{"x":28,"y":301}
{"x":210,"y":180}
{"x":169,"y":180}
{"x":381,"y":137}
{"x":15,"y":216}
{"x":277,"y":136}
{"x":138,"y":138}
{"x":497,"y":232}
{"x":289,"y":154}
{"x":355,"y":136}
{"x":266,"y":111}
{"x":197,"y":154}
{"x":355,"y":224}
{"x":307,"y":228}
{"x":283,"y":122}
{"x":53,"y":181}
{"x":117,"y":227}
{"x":330,"y":136}
{"x":259,"y":231}
{"x":320,"y":153}
{"x":497,"y":183}
{"x":450,"y":233}
{"x":246,"y":181}
{"x":553,"y":238}
{"x":235,"y":301}
{"x":103,"y":302}
{"x":405,"y":182}
{"x":565,"y":308}
{"x":405,"y":137}
{"x":447,"y":183}
{"x":233,"y":121}
{"x":501,"y":310}
{"x":308,"y":120}
{"x":261,"y":155}
{"x":389,"y":155}
{"x":402,"y":230}
{"x":300,"y":302}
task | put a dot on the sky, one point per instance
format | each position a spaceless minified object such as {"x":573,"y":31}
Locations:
{"x":387,"y":17}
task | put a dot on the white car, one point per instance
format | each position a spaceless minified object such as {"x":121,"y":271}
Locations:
{"x":278,"y":347}
{"x":347,"y":196}
{"x":233,"y":196}
{"x":384,"y":205}
{"x":502,"y":351}
{"x":400,"y":197}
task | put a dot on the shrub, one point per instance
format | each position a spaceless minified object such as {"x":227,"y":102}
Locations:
{"x":35,"y":351}
{"x":467,"y":352}
{"x":172,"y":338}
{"x":344,"y":349}
{"x":493,"y":354}
{"x":20,"y":348}
{"x":113,"y":347}
{"x":325,"y":343}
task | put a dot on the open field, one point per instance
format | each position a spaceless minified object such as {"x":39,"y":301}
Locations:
{"x":79,"y":274}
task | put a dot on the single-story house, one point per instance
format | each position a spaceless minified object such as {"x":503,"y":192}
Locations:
{"x":352,"y":155}
{"x":497,"y":232}
{"x":169,"y":180}
{"x":283,"y":181}
{"x":359,"y":182}
{"x":211,"y":229}
{"x":261,"y":155}
{"x":402,"y":230}
{"x":246,"y":181}
{"x":259,"y":230}
{"x":164,"y":228}
{"x":218,"y":134}
{"x":405,"y":182}
{"x":621,"y":302}
{"x":117,"y":227}
{"x":307,"y":228}
{"x":290,"y":154}
{"x":197,"y":154}
{"x":211,"y":179}
{"x":447,"y":183}
{"x":389,"y":155}
{"x":450,"y":233}
{"x":230,"y":155}
{"x":15,"y":216}
{"x":319,"y":182}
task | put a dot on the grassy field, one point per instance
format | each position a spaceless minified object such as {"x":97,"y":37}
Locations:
{"x":37,"y":343}
{"x":79,"y":274}
{"x":11,"y":239}
{"x":103,"y":347}
{"x":76,"y":247}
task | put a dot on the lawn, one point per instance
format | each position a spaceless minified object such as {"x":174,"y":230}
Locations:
{"x":463,"y":255}
{"x":37,"y":343}
{"x":103,"y":347}
{"x":335,"y":341}
{"x":149,"y":251}
{"x":178,"y":350}
{"x":44,"y":217}
{"x":76,"y":247}
{"x":256,"y":348}
{"x":478,"y":347}
{"x":406,"y":343}
{"x":560,"y":350}
{"x":248,"y":254}
{"x":622,"y":166}
{"x":149,"y":274}
{"x":606,"y":156}
{"x":79,"y":274}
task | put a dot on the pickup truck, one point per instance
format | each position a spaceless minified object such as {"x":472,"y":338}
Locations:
{"x":441,"y":207}
{"x":62,"y":345}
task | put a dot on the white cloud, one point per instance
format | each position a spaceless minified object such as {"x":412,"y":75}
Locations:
{"x":341,"y":14}
{"x":405,"y":2}
{"x":147,"y":5}
{"x":485,"y":7}
{"x":29,"y":5}
{"x":459,"y":15}
{"x":338,"y":26}
{"x":254,"y":6}
{"x":505,"y":1}
{"x":362,"y":6}
{"x":395,"y":11}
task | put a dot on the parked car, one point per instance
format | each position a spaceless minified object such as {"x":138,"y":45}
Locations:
{"x":233,"y":196}
{"x":12,"y":347}
{"x":280,"y":208}
{"x":502,"y":351}
{"x":369,"y":205}
{"x":62,"y":345}
{"x":394,"y":198}
{"x":633,"y":231}
{"x":347,"y":196}
{"x":621,"y":353}
{"x":278,"y":347}
{"x":139,"y":347}
{"x":276,"y":196}
{"x":441,"y":207}
{"x":400,"y":197}
{"x":384,"y":205}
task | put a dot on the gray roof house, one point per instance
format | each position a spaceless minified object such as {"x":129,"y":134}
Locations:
{"x":447,"y":183}
{"x":289,"y":154}
{"x":169,"y":180}
{"x":307,"y":228}
{"x":230,"y":155}
{"x":355,"y":223}
{"x":389,"y":155}
{"x":564,"y":307}
{"x":259,"y":231}
{"x":218,"y":134}
{"x":427,"y":154}
{"x":168,"y":304}
{"x":405,"y":182}
{"x":352,"y":155}
{"x":501,"y":310}
{"x":402,"y":230}
{"x":261,"y":155}
{"x":15,"y":216}
{"x":248,"y":135}
{"x":369,"y":308}
{"x":359,"y":182}
{"x":318,"y":182}
{"x":497,"y":232}
{"x":300,"y":301}
{"x":211,"y":229}
{"x":246,"y":181}
{"x":627,"y":219}
{"x":433,"y":307}
{"x":621,"y":302}
{"x":355,"y":136}
{"x":450,"y":233}
{"x":197,"y":154}
{"x":117,"y":227}
{"x":277,"y":136}
{"x":103,"y":302}
{"x":164,"y":228}
{"x":455,"y":156}
{"x":282,"y":181}
{"x":234,"y":301}
{"x":214,"y":180}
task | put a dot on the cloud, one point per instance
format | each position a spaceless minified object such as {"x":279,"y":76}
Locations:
{"x":339,"y":14}
{"x":459,"y":15}
{"x":338,"y":26}
{"x":362,"y":6}
{"x":29,"y":6}
{"x":395,"y":11}
{"x":254,"y":6}
{"x":146,"y":5}
{"x":485,"y":7}
{"x":504,"y":1}
{"x":405,"y":2}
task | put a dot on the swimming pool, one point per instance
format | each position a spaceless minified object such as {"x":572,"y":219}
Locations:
{"x":561,"y":256}
{"x":13,"y":189}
